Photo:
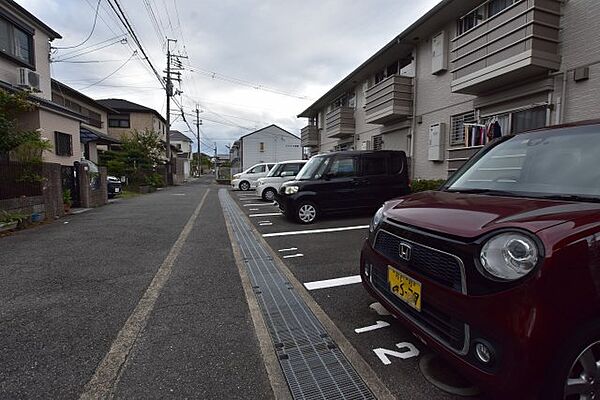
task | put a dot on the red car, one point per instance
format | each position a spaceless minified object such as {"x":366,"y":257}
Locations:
{"x":499,"y":270}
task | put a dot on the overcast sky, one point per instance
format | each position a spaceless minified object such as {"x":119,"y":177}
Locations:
{"x":251,"y":63}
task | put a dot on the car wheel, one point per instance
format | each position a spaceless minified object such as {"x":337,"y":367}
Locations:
{"x":307,"y":212}
{"x":268,"y":194}
{"x":576,"y":375}
{"x":245,"y":186}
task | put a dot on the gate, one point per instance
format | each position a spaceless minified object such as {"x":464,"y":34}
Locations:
{"x":70,"y":181}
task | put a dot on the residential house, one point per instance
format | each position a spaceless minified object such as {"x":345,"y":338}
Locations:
{"x":93,"y":131}
{"x":436,"y":88}
{"x":130,"y":116}
{"x":25,"y":65}
{"x":270,"y":144}
{"x":235,"y":157}
{"x":182,"y":146}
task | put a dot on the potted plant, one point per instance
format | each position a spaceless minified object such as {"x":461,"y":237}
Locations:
{"x":67,"y":200}
{"x":9,"y":221}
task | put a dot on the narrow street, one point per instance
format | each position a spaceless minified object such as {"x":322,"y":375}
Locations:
{"x":67,"y":290}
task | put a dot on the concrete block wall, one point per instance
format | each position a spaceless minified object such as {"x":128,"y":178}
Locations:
{"x":92,"y":197}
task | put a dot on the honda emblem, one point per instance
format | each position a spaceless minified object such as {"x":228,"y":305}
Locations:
{"x":404,"y":251}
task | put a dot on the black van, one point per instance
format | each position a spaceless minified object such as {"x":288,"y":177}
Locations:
{"x":344,"y":181}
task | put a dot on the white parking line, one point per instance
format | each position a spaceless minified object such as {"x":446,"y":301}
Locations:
{"x":327,"y":230}
{"x":378,"y":325}
{"x":266,"y":224}
{"x":259,"y":205}
{"x":329,"y":283}
{"x":294,"y":255}
{"x":253,"y":209}
{"x":265,"y":215}
{"x":290,"y":249}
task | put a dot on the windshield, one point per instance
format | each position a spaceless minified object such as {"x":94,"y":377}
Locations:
{"x":276,"y":170}
{"x":559,"y":163}
{"x":314,"y":168}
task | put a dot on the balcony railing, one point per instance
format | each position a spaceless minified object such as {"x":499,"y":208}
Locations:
{"x":390,"y":100}
{"x":94,"y":122}
{"x":340,"y":122}
{"x":520,"y":42}
{"x":309,"y":136}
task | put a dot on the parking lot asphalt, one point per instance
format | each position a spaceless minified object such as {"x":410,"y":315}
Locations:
{"x":330,"y":249}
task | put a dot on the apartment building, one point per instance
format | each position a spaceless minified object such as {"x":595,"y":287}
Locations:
{"x":464,"y":73}
{"x":129,"y":116}
{"x":25,"y":65}
{"x":270,"y":144}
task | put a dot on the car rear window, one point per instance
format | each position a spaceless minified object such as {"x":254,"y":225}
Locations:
{"x":374,"y":164}
{"x":396,"y":162}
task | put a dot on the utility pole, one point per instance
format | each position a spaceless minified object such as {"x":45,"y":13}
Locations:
{"x":173,"y":74}
{"x":198,"y":123}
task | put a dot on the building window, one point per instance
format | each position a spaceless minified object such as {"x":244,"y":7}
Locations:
{"x":16,"y":42}
{"x":525,"y":120}
{"x":457,"y":127}
{"x":262,"y":147}
{"x":118,"y":121}
{"x":378,"y":142}
{"x":63,"y":143}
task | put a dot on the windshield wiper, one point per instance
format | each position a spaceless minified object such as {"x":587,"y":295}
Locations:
{"x":571,"y":197}
{"x":491,"y":192}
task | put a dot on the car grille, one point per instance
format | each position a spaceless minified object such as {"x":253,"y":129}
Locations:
{"x":442,"y":326}
{"x":440,"y":267}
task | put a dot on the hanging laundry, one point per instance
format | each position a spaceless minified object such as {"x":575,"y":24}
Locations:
{"x":497,"y":130}
{"x":490,"y":131}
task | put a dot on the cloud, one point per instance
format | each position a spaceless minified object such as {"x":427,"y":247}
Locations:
{"x":301,"y":48}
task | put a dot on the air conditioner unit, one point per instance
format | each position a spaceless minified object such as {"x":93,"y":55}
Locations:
{"x":29,"y":79}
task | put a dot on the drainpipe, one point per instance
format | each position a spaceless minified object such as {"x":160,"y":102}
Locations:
{"x":563,"y":101}
{"x":414,"y":119}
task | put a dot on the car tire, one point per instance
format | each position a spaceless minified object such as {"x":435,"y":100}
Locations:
{"x":307,"y":212}
{"x":569,"y":364}
{"x":244,"y":186}
{"x":268,"y":194}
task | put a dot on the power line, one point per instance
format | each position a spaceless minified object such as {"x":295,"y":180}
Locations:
{"x":112,"y":73}
{"x":122,"y":41}
{"x":91,"y":32}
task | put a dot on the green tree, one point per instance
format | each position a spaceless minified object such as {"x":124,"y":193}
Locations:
{"x":11,"y":137}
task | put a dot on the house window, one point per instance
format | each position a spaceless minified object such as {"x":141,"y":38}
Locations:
{"x":262,"y":147}
{"x":16,"y":42}
{"x":118,"y":121}
{"x":63,"y":143}
{"x":528,"y":119}
{"x":457,"y":132}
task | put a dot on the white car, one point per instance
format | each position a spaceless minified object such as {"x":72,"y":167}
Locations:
{"x":282,"y":172}
{"x":247,"y":179}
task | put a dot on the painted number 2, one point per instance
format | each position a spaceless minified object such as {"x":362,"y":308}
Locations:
{"x":409,"y":351}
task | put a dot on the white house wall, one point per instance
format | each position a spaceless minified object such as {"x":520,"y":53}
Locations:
{"x":278,"y":146}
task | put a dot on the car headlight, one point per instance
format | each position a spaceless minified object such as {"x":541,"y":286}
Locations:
{"x":291,"y":189}
{"x":236,"y":176}
{"x":377,"y":218}
{"x":509,"y":256}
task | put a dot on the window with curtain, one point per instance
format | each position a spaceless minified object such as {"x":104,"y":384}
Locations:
{"x":16,"y":42}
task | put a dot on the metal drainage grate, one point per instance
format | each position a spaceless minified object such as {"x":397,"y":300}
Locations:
{"x":311,"y":362}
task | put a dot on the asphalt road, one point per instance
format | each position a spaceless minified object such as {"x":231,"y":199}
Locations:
{"x":143,"y":299}
{"x":67,"y":290}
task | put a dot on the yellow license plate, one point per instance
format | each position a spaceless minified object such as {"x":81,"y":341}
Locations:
{"x":406,"y":288}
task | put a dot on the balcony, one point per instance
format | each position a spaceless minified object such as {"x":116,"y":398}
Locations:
{"x":520,"y":42}
{"x":390,"y":100}
{"x":309,"y":136}
{"x":94,"y":122}
{"x":340,"y":122}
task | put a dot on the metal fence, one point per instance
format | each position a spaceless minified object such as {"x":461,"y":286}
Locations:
{"x":20,"y":179}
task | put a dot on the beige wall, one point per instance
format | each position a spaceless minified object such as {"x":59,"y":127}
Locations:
{"x":9,"y":69}
{"x":51,"y":122}
{"x":140,"y":122}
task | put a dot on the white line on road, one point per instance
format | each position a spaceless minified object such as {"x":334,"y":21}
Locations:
{"x":290,"y":249}
{"x":265,"y":215}
{"x":107,"y":375}
{"x":294,"y":255}
{"x":378,"y":325}
{"x":253,"y":209}
{"x":327,"y":230}
{"x":259,"y":205}
{"x":266,"y":224}
{"x":329,"y":283}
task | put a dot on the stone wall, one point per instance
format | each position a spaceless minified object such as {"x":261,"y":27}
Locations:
{"x":92,"y":197}
{"x":53,"y":193}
